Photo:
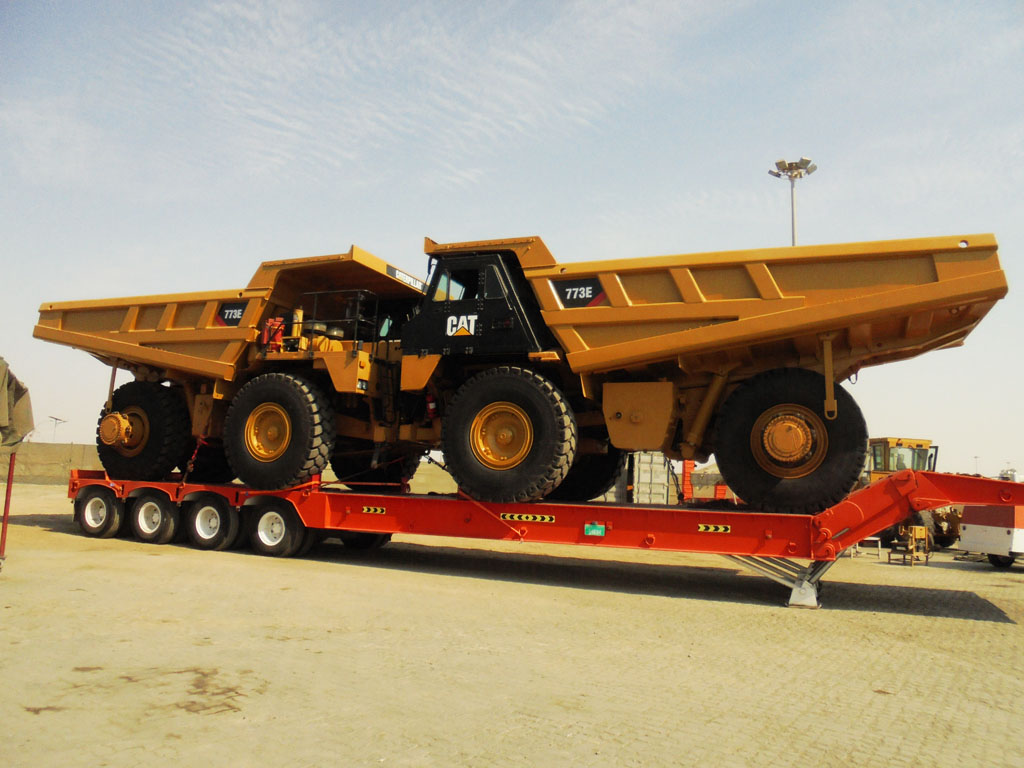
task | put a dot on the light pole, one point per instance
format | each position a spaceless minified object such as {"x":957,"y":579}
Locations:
{"x":793,"y":171}
{"x":56,"y":423}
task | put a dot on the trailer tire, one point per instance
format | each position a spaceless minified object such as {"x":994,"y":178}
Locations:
{"x":155,"y":518}
{"x":590,"y":476}
{"x":1002,"y":561}
{"x":509,"y":435}
{"x":211,"y":522}
{"x":279,"y":432}
{"x":779,"y":453}
{"x":160,"y":432}
{"x":276,"y":529}
{"x":352,"y":459}
{"x":100,"y":514}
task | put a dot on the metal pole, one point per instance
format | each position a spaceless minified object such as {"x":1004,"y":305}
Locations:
{"x":792,"y":205}
{"x":7,"y":510}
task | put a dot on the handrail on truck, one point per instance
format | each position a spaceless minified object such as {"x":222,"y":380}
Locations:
{"x":767,"y":543}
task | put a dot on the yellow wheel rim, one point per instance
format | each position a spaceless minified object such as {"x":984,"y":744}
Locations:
{"x":789,"y":441}
{"x":501,"y":435}
{"x":268,"y":432}
{"x":132,"y":443}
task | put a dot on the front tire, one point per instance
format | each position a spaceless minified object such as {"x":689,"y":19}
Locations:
{"x":156,"y":438}
{"x":509,"y":435}
{"x":279,"y":432}
{"x":1001,"y":561}
{"x":779,"y":453}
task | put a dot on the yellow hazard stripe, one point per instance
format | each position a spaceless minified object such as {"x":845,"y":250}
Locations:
{"x":527,"y":518}
{"x":704,"y":528}
{"x":375,"y":510}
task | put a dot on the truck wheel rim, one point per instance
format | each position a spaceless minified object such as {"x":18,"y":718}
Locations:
{"x":268,"y":432}
{"x":789,"y":441}
{"x":501,"y":435}
{"x":95,"y":513}
{"x":271,"y":528}
{"x":138,"y":434}
{"x":207,"y":522}
{"x":149,"y":517}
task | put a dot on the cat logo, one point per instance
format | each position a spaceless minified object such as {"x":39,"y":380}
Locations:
{"x":461,"y":325}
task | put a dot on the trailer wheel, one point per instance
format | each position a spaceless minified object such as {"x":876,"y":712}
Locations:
{"x":155,"y":518}
{"x":352,"y":459}
{"x":211,"y":522}
{"x":509,"y":435}
{"x":360,"y":541}
{"x":778,"y":452}
{"x":279,"y":431}
{"x":99,"y":512}
{"x":145,"y":433}
{"x":590,"y":476}
{"x":1002,"y":561}
{"x":276,"y":529}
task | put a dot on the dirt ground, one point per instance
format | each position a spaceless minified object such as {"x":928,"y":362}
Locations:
{"x":451,"y":652}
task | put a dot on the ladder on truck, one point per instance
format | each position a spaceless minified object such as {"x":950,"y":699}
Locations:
{"x":774,"y":545}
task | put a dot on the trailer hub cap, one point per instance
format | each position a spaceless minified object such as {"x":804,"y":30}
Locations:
{"x":789,"y":441}
{"x":501,"y":435}
{"x":268,"y":432}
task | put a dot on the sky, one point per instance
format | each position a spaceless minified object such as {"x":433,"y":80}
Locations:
{"x":167,"y":147}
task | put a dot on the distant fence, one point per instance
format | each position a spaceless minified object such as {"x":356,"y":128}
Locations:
{"x":48,"y":463}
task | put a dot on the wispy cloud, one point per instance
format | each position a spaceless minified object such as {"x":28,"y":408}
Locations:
{"x":312,"y":90}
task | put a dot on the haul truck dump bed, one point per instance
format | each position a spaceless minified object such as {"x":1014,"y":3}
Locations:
{"x":534,"y":378}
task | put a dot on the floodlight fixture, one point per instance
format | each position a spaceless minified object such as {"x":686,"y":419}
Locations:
{"x":793,"y":170}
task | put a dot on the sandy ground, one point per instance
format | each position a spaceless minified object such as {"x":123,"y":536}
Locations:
{"x":449,"y":653}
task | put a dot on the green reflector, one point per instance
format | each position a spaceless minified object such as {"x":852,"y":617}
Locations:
{"x":593,"y":529}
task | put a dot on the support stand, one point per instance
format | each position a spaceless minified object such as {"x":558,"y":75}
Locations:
{"x":802,"y":580}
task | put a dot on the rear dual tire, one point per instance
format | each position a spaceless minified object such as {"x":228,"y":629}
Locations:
{"x":778,"y":451}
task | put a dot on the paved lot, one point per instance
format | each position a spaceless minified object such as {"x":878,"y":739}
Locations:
{"x":448,"y":652}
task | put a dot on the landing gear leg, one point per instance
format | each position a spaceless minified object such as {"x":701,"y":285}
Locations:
{"x":802,"y":580}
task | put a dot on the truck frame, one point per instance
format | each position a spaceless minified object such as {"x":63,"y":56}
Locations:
{"x":288,"y":522}
{"x":534,"y":378}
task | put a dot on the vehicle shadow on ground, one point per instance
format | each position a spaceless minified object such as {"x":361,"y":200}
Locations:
{"x":689,"y":582}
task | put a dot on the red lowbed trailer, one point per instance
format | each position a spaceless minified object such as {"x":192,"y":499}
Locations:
{"x":285,"y":523}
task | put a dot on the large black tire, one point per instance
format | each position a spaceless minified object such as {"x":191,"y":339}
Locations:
{"x":155,"y":518}
{"x":591,"y":475}
{"x":160,"y":432}
{"x":779,"y":453}
{"x":99,"y":512}
{"x":275,"y":529}
{"x":210,"y":464}
{"x":352,"y":460}
{"x":279,"y":432}
{"x":508,"y":435}
{"x":211,"y":522}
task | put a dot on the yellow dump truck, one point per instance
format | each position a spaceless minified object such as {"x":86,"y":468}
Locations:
{"x":533,"y":377}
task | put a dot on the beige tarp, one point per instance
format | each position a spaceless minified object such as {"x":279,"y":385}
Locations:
{"x":15,"y":408}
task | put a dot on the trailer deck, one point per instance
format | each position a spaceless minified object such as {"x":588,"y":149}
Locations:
{"x":774,"y":545}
